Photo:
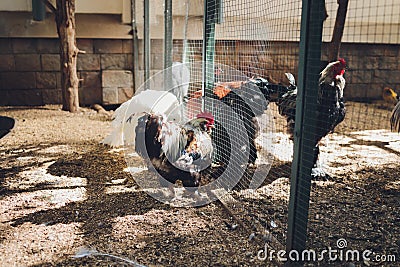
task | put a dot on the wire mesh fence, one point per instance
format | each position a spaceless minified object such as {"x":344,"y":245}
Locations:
{"x":246,"y":41}
{"x":363,"y":139}
{"x":241,"y":53}
{"x":370,"y":36}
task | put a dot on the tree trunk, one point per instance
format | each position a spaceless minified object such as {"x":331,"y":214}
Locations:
{"x":334,"y":48}
{"x":65,"y":19}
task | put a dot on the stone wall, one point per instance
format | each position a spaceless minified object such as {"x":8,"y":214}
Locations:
{"x":371,"y":67}
{"x":29,"y":68}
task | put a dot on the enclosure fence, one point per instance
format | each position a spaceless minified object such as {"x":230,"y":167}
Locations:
{"x":230,"y":43}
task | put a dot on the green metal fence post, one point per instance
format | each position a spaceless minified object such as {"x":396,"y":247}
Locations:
{"x":309,"y":66}
{"x":208,"y":48}
{"x":38,"y":10}
{"x":213,"y":13}
{"x":146,"y":40}
{"x":168,"y":43}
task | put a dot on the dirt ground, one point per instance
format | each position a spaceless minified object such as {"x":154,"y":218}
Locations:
{"x":66,"y":200}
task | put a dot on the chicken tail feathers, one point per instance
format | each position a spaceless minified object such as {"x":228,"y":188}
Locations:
{"x":116,"y":137}
{"x":6,"y":124}
{"x":395,"y":118}
{"x":173,"y":141}
{"x":126,"y":117}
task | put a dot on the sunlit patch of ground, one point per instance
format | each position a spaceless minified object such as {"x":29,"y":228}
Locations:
{"x":60,"y":191}
{"x":30,"y":244}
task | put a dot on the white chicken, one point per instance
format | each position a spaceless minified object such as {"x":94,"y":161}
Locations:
{"x":126,"y":116}
{"x":168,"y":102}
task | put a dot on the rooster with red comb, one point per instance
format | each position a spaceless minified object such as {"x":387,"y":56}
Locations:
{"x":176,"y":151}
{"x":330,"y":104}
{"x":330,"y":107}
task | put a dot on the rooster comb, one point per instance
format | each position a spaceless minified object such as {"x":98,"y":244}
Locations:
{"x":342,"y":61}
{"x":206,"y":115}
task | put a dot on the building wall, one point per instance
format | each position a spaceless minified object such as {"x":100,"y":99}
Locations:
{"x":29,"y":67}
{"x":119,"y":7}
{"x":371,"y":67}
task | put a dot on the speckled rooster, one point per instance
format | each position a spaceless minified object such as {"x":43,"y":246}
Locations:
{"x":176,"y":152}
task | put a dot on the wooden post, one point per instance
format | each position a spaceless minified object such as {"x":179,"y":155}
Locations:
{"x":64,"y":13}
{"x":334,"y":47}
{"x":65,"y":19}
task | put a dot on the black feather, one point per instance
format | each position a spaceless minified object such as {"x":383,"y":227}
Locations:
{"x":331,"y":111}
{"x":148,"y":145}
{"x":6,"y":124}
{"x":395,"y":118}
{"x":246,"y":115}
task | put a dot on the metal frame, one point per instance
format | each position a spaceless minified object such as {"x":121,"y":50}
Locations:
{"x":135,"y":47}
{"x":309,"y":66}
{"x":38,"y":10}
{"x":208,"y":47}
{"x":185,"y":30}
{"x":213,"y":13}
{"x":168,"y":44}
{"x":168,"y":38}
{"x":146,"y":40}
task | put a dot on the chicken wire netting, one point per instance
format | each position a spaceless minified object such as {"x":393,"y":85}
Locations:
{"x":244,"y":41}
{"x":247,"y":40}
{"x":370,"y":46}
{"x":362,"y":146}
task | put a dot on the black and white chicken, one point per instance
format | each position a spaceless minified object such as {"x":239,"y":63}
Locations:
{"x":395,"y":118}
{"x":243,"y":98}
{"x":392,"y":98}
{"x":151,"y":121}
{"x":330,"y":104}
{"x":174,"y":151}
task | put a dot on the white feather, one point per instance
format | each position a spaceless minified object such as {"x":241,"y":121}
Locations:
{"x":173,"y":141}
{"x":326,"y":74}
{"x":180,"y":80}
{"x":205,"y":143}
{"x":126,"y":116}
{"x":341,"y":83}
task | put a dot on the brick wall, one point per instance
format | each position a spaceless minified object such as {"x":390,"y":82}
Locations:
{"x":371,"y":67}
{"x":29,"y":68}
